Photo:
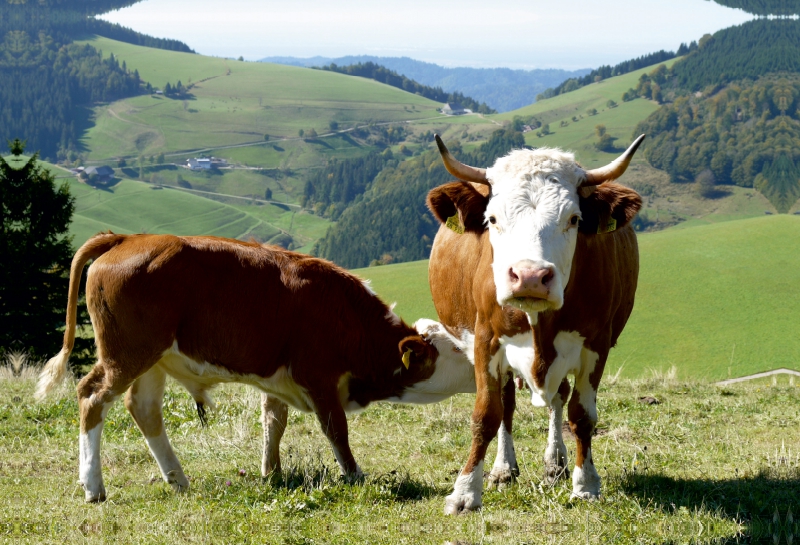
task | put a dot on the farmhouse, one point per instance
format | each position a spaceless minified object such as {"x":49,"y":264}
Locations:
{"x":200,"y":163}
{"x":454,"y":108}
{"x":98,"y":175}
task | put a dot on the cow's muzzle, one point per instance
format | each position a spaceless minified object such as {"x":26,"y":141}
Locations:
{"x":530,"y":281}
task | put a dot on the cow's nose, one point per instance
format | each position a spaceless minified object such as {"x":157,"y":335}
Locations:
{"x":530,"y":281}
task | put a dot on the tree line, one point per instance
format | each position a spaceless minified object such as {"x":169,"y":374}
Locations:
{"x":750,"y":50}
{"x":391,"y":223}
{"x":763,"y":7}
{"x":389,"y":77}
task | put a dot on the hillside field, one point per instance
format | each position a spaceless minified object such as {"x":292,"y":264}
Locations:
{"x":235,"y":102}
{"x":579,"y":136}
{"x":715,"y":301}
{"x":136,"y":207}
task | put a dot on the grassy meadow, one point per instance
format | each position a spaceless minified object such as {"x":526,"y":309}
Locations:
{"x":705,"y":465}
{"x":235,"y":102}
{"x":714,"y":301}
{"x":137,"y":207}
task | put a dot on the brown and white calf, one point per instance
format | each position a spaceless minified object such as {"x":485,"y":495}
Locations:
{"x":536,"y":264}
{"x":207,"y":310}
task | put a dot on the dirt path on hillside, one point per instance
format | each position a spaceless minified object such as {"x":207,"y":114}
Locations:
{"x":781,"y":371}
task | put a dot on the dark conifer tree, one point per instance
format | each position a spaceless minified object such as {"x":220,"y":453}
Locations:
{"x":35,"y":256}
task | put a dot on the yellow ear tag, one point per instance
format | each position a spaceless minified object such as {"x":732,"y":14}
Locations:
{"x":454,"y":224}
{"x":612,"y":226}
{"x":407,"y":357}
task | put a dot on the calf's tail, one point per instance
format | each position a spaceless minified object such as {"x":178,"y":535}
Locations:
{"x":55,"y":370}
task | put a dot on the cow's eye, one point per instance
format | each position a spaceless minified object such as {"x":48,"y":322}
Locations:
{"x":574,"y":220}
{"x":492,"y":220}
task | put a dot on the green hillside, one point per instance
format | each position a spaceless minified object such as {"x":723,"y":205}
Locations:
{"x":580,"y":136}
{"x":714,"y":300}
{"x":137,"y":207}
{"x":235,"y":102}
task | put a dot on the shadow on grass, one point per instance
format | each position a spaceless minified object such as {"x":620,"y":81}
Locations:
{"x":396,"y":485}
{"x":766,"y":504}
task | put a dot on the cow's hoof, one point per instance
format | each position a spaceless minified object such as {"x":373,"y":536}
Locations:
{"x":553,"y":474}
{"x":95,"y":496}
{"x":353,"y":478}
{"x":501,"y":477}
{"x":460,"y":505}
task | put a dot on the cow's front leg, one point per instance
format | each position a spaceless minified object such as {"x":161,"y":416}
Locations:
{"x":486,"y":419}
{"x":582,"y":421}
{"x":505,"y":468}
{"x":334,"y":424}
{"x":555,"y":455}
{"x":274,"y":415}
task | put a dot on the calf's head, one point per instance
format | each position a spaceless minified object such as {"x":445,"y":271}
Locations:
{"x":536,"y":204}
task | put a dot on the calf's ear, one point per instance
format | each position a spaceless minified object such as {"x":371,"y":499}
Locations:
{"x":463,"y":201}
{"x":415,"y":350}
{"x":608,"y":208}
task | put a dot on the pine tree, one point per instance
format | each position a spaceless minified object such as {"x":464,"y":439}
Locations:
{"x":35,"y":256}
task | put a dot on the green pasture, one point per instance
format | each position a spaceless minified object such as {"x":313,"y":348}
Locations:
{"x":235,"y":102}
{"x":137,"y":207}
{"x":579,"y":136}
{"x":715,"y":301}
{"x":703,"y":467}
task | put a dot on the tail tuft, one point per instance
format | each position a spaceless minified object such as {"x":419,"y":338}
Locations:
{"x":53,"y":374}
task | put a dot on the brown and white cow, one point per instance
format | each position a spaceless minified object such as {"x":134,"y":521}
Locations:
{"x":534,"y":243}
{"x":207,"y":310}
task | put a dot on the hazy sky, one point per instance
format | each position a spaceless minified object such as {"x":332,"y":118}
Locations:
{"x":519,"y":34}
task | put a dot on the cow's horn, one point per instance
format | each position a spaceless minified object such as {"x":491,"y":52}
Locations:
{"x":460,"y":170}
{"x":613,"y":170}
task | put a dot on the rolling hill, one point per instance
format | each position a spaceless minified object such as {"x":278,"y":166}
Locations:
{"x":234,"y":103}
{"x":136,"y":207}
{"x":503,"y":89}
{"x":715,"y":300}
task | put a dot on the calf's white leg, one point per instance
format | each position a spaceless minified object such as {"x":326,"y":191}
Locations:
{"x":555,"y":454}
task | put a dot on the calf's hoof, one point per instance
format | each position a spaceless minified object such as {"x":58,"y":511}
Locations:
{"x":94,"y":496}
{"x":461,"y":504}
{"x":584,"y":495}
{"x":553,"y":474}
{"x":179,"y":484}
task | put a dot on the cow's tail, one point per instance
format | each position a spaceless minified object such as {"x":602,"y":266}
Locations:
{"x":55,"y":371}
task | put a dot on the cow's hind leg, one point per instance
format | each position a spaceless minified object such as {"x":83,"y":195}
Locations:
{"x":145,"y":400}
{"x":582,"y":421}
{"x":334,"y":424}
{"x":555,"y":455}
{"x":505,"y":468}
{"x":274,"y":414}
{"x":96,"y":392}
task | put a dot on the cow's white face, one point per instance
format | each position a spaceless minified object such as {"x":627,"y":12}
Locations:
{"x":532,"y":218}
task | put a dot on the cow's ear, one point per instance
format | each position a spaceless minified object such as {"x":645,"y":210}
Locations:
{"x":415,"y":351}
{"x":463,"y":201}
{"x":608,"y":208}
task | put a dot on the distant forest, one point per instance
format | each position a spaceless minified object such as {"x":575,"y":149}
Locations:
{"x":746,"y":134}
{"x":750,"y":50}
{"x":48,"y":84}
{"x":389,"y":77}
{"x":763,"y":7}
{"x":391,"y":222}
